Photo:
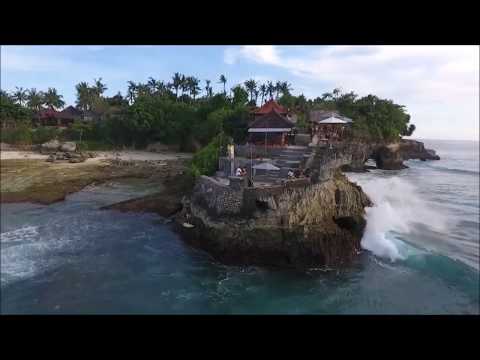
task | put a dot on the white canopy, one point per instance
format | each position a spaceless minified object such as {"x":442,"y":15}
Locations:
{"x":332,"y":120}
{"x":269,"y":130}
{"x":265,"y":166}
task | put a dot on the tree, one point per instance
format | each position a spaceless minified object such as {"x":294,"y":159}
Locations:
{"x":131,"y":92}
{"x":99,"y":88}
{"x":240,"y":95}
{"x":251,"y":87}
{"x":85,"y":96}
{"x":270,"y":89}
{"x":263,"y":92}
{"x":184,"y":84}
{"x":409,"y":131}
{"x":152,"y":84}
{"x":35,"y":99}
{"x":20,"y":95}
{"x":285,"y":88}
{"x":52,"y":99}
{"x":176,"y":82}
{"x":223,"y":80}
{"x":278,"y":88}
{"x":193,"y":86}
{"x":208,"y":88}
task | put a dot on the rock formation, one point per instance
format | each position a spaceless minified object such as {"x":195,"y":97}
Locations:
{"x":302,"y":225}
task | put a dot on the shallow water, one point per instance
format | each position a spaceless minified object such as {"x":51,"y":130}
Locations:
{"x":71,"y":257}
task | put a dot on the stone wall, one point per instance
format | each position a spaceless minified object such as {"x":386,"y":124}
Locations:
{"x":217,"y":198}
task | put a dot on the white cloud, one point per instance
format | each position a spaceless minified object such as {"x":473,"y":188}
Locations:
{"x":443,"y":79}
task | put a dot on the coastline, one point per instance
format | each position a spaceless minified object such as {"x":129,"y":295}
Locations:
{"x":27,"y":177}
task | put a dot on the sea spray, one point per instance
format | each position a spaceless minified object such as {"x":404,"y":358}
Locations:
{"x":398,"y":209}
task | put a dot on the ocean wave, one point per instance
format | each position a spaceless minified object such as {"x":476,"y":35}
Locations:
{"x":398,"y":209}
{"x":456,"y":170}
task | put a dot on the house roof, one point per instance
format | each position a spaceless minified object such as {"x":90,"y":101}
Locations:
{"x":47,"y":113}
{"x":319,"y":115}
{"x":70,"y":113}
{"x":269,"y":106}
{"x":271,"y":120}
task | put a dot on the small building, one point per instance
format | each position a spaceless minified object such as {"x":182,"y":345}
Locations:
{"x":69,"y":115}
{"x":64,"y":118}
{"x":328,"y":125}
{"x":270,"y":129}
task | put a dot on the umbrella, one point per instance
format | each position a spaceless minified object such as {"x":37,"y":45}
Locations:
{"x":265,"y":166}
{"x":333,"y":120}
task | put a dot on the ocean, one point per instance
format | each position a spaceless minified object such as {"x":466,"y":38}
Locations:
{"x":420,"y":254}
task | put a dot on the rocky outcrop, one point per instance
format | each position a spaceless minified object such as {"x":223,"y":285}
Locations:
{"x":412,"y":149}
{"x":50,"y":147}
{"x":301,"y":226}
{"x":68,"y":146}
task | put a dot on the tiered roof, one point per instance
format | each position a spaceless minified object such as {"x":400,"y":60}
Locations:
{"x":271,"y":122}
{"x":269,"y":106}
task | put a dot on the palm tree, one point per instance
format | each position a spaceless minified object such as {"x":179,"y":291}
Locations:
{"x":52,"y":99}
{"x":251,"y":86}
{"x":263,"y":92}
{"x":285,"y":88}
{"x":278,"y":86}
{"x":207,"y":88}
{"x":143,"y":89}
{"x":223,"y":80}
{"x":176,"y":82}
{"x":256,"y":92}
{"x":20,"y":95}
{"x":131,"y":91}
{"x":152,"y":84}
{"x":99,"y":87}
{"x":270,"y":89}
{"x":84,"y":96}
{"x":35,"y":99}
{"x":193,"y":87}
{"x":160,"y":87}
{"x":184,"y":83}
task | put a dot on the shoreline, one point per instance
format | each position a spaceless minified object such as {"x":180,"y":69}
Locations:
{"x":27,"y":177}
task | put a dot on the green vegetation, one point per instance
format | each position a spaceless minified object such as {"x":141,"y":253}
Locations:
{"x":186,"y":114}
{"x":374,"y":118}
{"x":205,"y":161}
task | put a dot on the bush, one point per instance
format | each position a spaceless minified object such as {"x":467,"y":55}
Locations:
{"x":21,"y":135}
{"x":43,"y":134}
{"x":205,"y":161}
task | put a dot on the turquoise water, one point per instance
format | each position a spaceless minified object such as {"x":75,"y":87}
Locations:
{"x":71,"y":257}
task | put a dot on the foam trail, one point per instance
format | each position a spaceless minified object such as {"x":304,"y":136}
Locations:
{"x":398,"y":207}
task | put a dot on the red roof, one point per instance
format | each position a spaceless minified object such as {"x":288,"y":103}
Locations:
{"x":47,"y":113}
{"x":272,"y":120}
{"x":269,"y":106}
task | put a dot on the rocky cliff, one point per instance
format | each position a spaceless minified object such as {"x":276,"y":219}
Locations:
{"x":305,"y":225}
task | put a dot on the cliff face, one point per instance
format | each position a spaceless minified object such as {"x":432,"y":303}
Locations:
{"x":302,"y":226}
{"x":388,"y":156}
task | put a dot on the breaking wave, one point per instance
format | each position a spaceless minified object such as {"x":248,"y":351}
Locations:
{"x":398,"y":209}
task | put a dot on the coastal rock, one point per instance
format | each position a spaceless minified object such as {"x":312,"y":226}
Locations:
{"x":68,"y":146}
{"x":412,"y":149}
{"x":300,"y":226}
{"x":50,"y":146}
{"x":389,"y":157}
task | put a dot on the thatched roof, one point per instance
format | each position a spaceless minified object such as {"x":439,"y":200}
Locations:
{"x":272,"y":120}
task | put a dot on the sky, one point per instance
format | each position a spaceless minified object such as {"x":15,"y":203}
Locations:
{"x":439,"y":85}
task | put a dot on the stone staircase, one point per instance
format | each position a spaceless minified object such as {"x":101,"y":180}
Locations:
{"x":288,"y":158}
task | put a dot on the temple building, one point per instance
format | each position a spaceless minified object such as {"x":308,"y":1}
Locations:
{"x":271,"y":125}
{"x":328,"y":125}
{"x":64,"y":118}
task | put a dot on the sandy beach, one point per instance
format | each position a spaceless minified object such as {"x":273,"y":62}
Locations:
{"x":102,"y":155}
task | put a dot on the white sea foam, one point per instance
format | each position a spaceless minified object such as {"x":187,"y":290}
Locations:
{"x":398,"y":209}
